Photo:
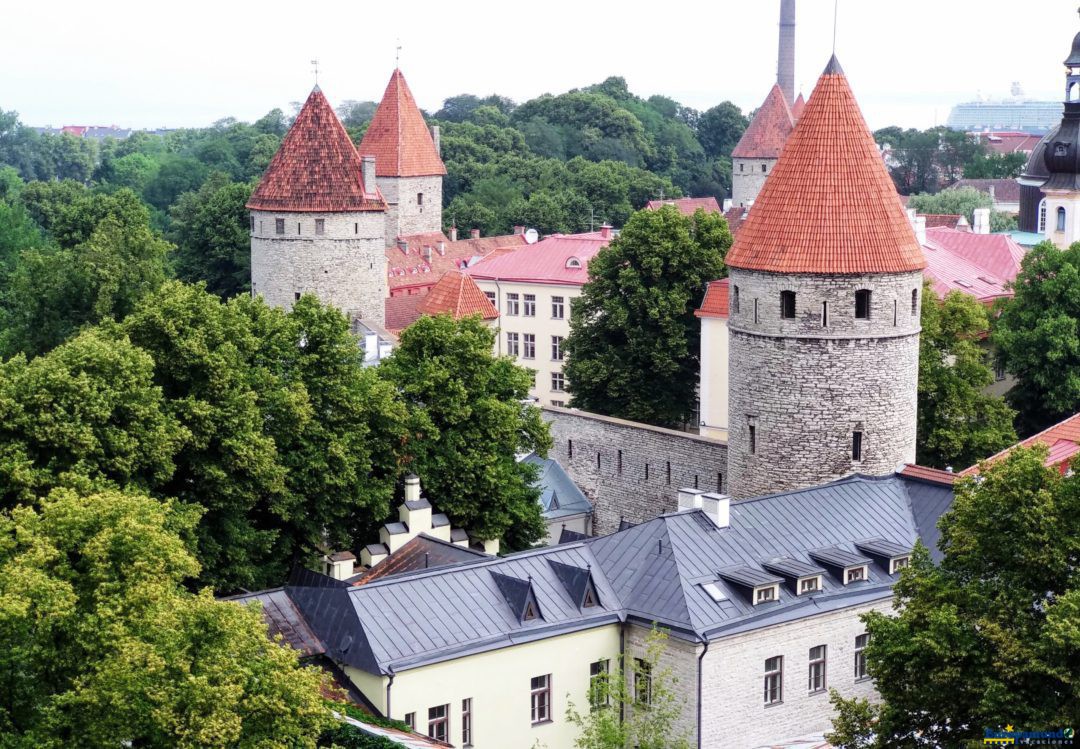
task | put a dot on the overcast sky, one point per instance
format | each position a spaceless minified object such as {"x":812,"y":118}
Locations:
{"x":171,"y":64}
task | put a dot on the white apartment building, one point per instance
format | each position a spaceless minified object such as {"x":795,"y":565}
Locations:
{"x":532,"y":288}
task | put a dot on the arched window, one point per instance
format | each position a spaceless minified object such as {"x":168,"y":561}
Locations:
{"x":787,"y":305}
{"x":1060,"y":219}
{"x":862,"y":304}
{"x":573,"y":262}
{"x":1042,"y":216}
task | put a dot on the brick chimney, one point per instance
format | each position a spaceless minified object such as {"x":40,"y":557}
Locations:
{"x":518,"y":230}
{"x":605,"y":231}
{"x":368,"y":173}
{"x":474,"y":234}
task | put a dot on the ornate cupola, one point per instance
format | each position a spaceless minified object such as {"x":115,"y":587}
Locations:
{"x":1060,"y":212}
{"x":825,"y":292}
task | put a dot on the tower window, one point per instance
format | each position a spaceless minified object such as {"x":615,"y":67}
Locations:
{"x":253,"y":224}
{"x":856,"y":445}
{"x":742,"y":167}
{"x":894,"y":311}
{"x":1060,"y":219}
{"x":764,"y":169}
{"x":1042,"y":216}
{"x":824,"y":314}
{"x":320,"y":226}
{"x":296,"y":296}
{"x":419,"y":198}
{"x":279,"y":225}
{"x":753,"y":440}
{"x":862,"y":304}
{"x":755,"y":311}
{"x":735,"y":299}
{"x":914,"y":302}
{"x":787,"y":305}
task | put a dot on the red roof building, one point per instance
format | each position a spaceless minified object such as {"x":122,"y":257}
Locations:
{"x":933,"y":475}
{"x":829,"y":206}
{"x":982,"y":265}
{"x":942,"y":220}
{"x":1063,"y":440}
{"x":561,"y":259}
{"x":317,"y":168}
{"x":687,"y":206}
{"x":417,"y":262}
{"x":455,"y":294}
{"x":768,"y":131}
{"x":798,"y":107}
{"x":716,"y":299}
{"x":398,"y":137}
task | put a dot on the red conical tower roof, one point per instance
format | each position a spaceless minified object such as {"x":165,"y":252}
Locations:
{"x":829,"y":207}
{"x":398,"y":137}
{"x":317,"y":168}
{"x":798,"y":107}
{"x":768,"y":131}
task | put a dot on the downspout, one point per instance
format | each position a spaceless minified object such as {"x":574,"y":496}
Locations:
{"x":388,"y":685}
{"x":498,"y":308}
{"x":622,"y":668}
{"x":700,"y":710}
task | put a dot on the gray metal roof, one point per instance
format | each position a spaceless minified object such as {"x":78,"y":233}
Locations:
{"x":834,"y":556}
{"x":395,"y":528}
{"x":749,"y":577}
{"x":879,"y":547}
{"x":567,"y":536}
{"x":559,"y":495}
{"x":439,"y":519}
{"x":791,"y":568}
{"x":652,"y":572}
{"x":417,"y":504}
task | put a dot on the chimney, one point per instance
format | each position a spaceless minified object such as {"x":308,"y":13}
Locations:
{"x":442,"y":248}
{"x":368,"y":173}
{"x":605,"y":231}
{"x":339,"y":565}
{"x":785,"y":59}
{"x":981,"y":225}
{"x":920,"y":229}
{"x":518,"y":230}
{"x":427,"y":253}
{"x":412,"y":487}
{"x":718,"y":508}
{"x":453,"y":233}
{"x":727,"y":205}
{"x":436,"y":136}
{"x":690,"y":499}
{"x":474,"y":234}
{"x":992,"y":193}
{"x":962,"y":224}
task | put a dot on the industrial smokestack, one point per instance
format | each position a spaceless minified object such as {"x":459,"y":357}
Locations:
{"x":785,"y":60}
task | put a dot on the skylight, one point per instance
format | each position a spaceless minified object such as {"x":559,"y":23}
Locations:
{"x":714,"y":591}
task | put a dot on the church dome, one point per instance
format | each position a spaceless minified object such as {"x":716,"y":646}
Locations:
{"x":1035,"y":171}
{"x":1061,"y":151}
{"x":1074,"y":56}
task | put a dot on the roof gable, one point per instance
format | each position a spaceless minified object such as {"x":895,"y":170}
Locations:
{"x":398,"y":137}
{"x":457,"y":295}
{"x":519,"y":596}
{"x":767,"y":133}
{"x":317,"y":168}
{"x":717,"y":300}
{"x":829,"y":206}
{"x":578,"y":583}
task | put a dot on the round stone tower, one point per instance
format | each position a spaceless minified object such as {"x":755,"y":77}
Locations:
{"x":825,"y":295}
{"x":318,"y":220}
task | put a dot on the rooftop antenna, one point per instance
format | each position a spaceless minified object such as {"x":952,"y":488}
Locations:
{"x":397,"y":54}
{"x":315,"y":69}
{"x":835,"y":16}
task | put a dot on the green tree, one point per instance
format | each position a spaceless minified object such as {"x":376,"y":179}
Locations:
{"x":990,"y":636}
{"x":959,"y":424}
{"x":213,"y":243}
{"x":956,"y":201}
{"x":1038,"y":337}
{"x":634,"y":341}
{"x":468,"y":423}
{"x":619,"y":716}
{"x":995,"y":166}
{"x":102,"y":646}
{"x":720,"y":128}
{"x":18,"y":232}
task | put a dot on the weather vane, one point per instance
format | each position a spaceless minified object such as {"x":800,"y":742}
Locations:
{"x":397,"y":54}
{"x":315,"y":63}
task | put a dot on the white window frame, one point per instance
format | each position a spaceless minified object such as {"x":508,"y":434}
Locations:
{"x":774,"y":680}
{"x":766,"y":594}
{"x":513,"y":304}
{"x":435,"y":721}
{"x":1042,"y":216}
{"x":540,"y":699}
{"x":558,"y":308}
{"x":898,"y":563}
{"x":864,"y":574}
{"x":815,"y":579}
{"x":861,"y":641}
{"x":466,"y":722}
{"x":557,"y":347}
{"x":817,"y":669}
{"x":558,"y":382}
{"x":598,"y":670}
{"x":528,"y":305}
{"x":513,"y":344}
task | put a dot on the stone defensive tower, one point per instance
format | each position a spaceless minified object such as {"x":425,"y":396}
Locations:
{"x":408,"y":168}
{"x":785,"y":58}
{"x":317,"y":220}
{"x":755,"y":155}
{"x":825,"y":295}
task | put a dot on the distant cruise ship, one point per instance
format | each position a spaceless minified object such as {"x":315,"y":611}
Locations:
{"x":1016,"y":114}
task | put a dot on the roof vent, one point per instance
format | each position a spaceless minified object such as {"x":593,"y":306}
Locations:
{"x":717,"y":507}
{"x":519,"y":597}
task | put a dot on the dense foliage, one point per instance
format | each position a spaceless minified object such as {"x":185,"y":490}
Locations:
{"x":991,"y":636}
{"x":959,"y":424}
{"x":1038,"y":337}
{"x":101,"y":645}
{"x":468,"y":422}
{"x":634,"y":342}
{"x":962,"y":201}
{"x":925,"y":161}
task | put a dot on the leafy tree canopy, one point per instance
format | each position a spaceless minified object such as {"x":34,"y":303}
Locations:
{"x":634,"y":341}
{"x":213,"y":243}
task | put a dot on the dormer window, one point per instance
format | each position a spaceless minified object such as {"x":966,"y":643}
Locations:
{"x":530,"y":612}
{"x":766,"y":593}
{"x":573,"y":262}
{"x":809,"y":584}
{"x":590,"y":598}
{"x":854,"y":574}
{"x":898,"y":563}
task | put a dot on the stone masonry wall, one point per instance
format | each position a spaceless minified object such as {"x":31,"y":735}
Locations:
{"x":404,"y":216}
{"x":746,"y":184}
{"x":345,"y":266}
{"x":734,"y":713}
{"x":679,"y":660}
{"x":629,"y":470}
{"x":807,"y":387}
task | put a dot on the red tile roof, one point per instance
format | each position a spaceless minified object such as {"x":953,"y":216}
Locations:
{"x":768,"y":131}
{"x":998,"y":253}
{"x":687,"y":206}
{"x":316,"y":168}
{"x":1005,"y":190}
{"x":1006,"y":143}
{"x":1057,"y":438}
{"x":458,"y":295}
{"x":422,"y":263}
{"x":420,"y":553}
{"x":798,"y":107}
{"x":547,"y":261}
{"x":735,"y":216}
{"x":935,"y":475}
{"x":829,"y":205}
{"x":401,"y":311}
{"x":398,"y":137}
{"x":715,"y":303}
{"x":937,"y":220}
